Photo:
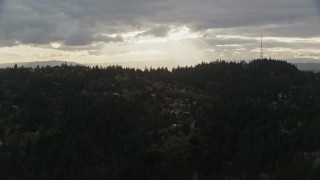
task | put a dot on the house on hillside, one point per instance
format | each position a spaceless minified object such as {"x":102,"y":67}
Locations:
{"x":122,"y":77}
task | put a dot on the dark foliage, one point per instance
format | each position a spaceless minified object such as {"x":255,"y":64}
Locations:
{"x":218,"y":120}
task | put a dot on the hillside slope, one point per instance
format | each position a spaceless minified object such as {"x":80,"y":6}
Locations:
{"x":218,"y":120}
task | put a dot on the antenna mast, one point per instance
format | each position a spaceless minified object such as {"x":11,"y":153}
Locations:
{"x":261,"y":51}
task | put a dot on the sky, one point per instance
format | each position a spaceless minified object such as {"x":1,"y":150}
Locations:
{"x":153,"y":32}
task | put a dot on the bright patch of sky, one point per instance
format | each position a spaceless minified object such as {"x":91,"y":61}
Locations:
{"x":173,"y":32}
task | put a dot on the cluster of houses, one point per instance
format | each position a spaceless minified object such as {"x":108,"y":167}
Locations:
{"x":283,"y":99}
{"x":288,"y":99}
{"x":314,"y":157}
{"x":179,"y":107}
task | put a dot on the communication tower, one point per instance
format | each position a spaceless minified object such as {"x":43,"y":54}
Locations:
{"x":261,"y":50}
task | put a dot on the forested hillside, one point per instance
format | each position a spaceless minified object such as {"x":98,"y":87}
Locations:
{"x":218,"y":120}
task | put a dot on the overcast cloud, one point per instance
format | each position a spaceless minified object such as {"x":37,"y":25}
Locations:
{"x":76,"y":23}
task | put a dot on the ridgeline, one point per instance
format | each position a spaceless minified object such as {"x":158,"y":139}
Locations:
{"x":218,"y":120}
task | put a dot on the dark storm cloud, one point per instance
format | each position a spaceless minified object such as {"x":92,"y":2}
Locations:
{"x":83,"y":38}
{"x":158,"y":31}
{"x":81,"y":22}
{"x":317,"y":2}
{"x":1,"y":4}
{"x":107,"y":38}
{"x":79,"y":38}
{"x":214,"y":41}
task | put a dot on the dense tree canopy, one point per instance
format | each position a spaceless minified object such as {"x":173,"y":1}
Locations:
{"x":218,"y":120}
